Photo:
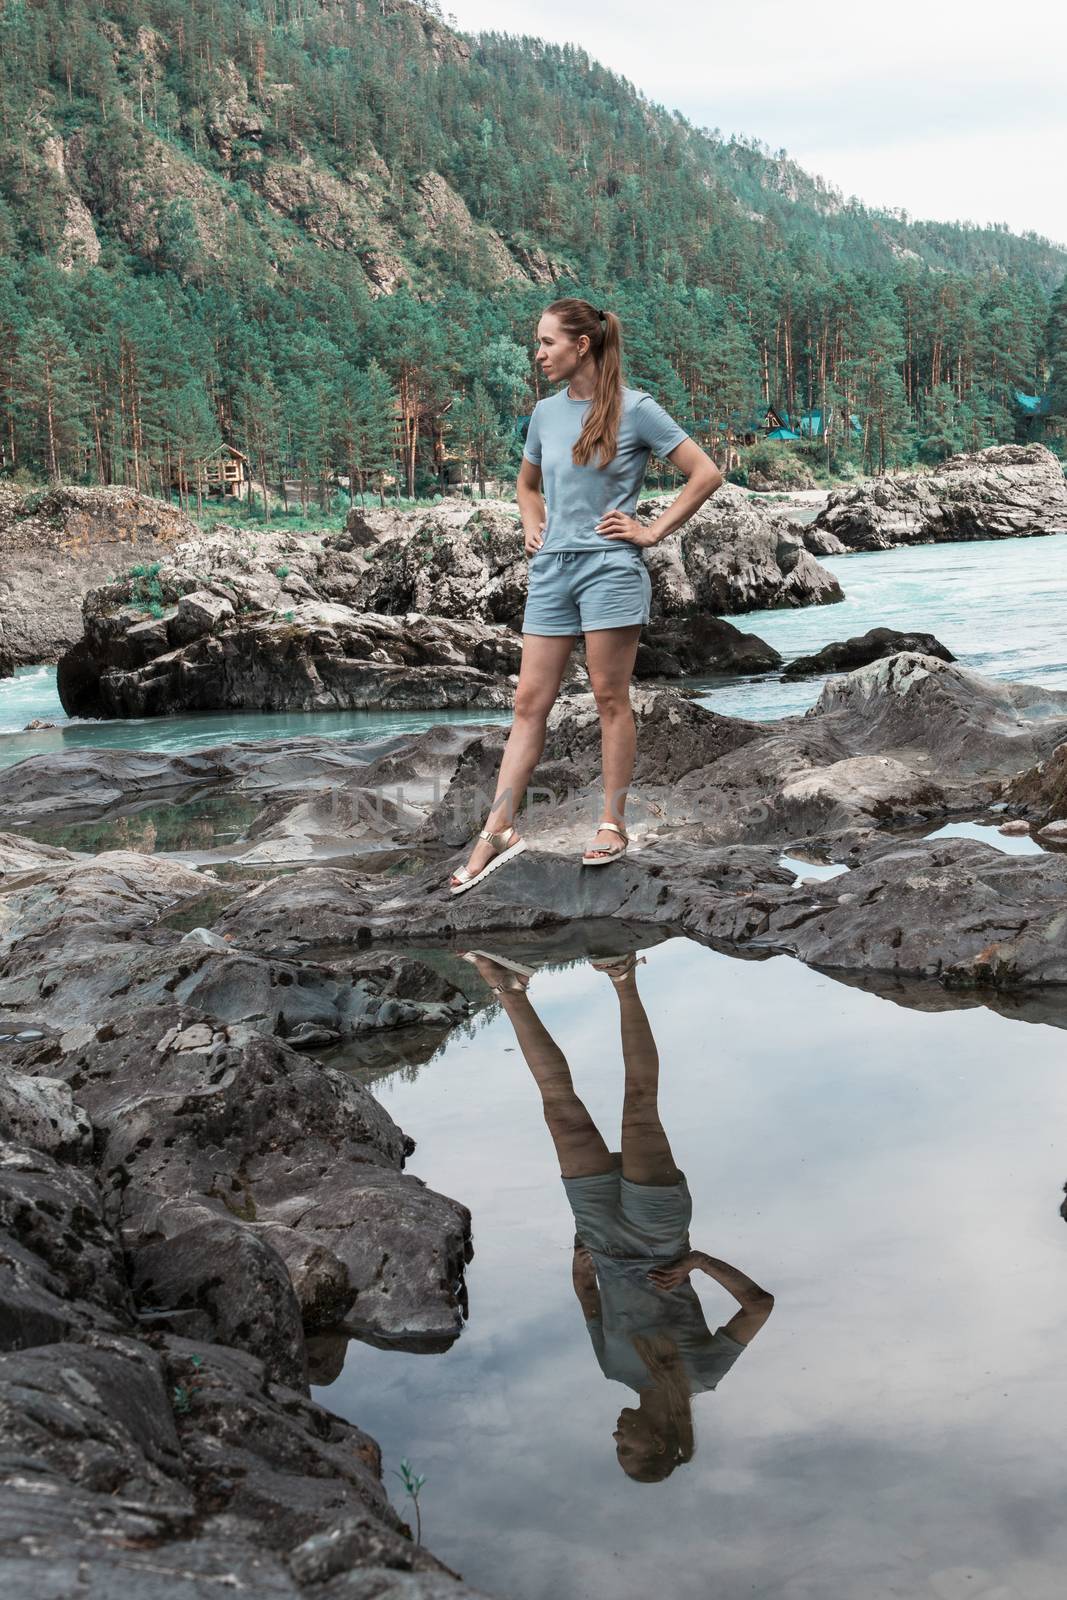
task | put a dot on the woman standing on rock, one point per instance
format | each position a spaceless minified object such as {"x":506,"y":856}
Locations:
{"x":589,"y":445}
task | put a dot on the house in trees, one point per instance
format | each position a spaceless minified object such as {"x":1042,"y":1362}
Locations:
{"x":805,"y":424}
{"x":426,"y":427}
{"x":227,"y":471}
{"x":727,"y":434}
{"x":1034,"y":414}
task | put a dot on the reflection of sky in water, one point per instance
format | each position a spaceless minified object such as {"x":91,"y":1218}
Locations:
{"x":1012,"y":844}
{"x":894,"y":1178}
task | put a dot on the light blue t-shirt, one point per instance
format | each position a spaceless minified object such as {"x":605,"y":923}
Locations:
{"x":630,"y":1305}
{"x":577,"y":497}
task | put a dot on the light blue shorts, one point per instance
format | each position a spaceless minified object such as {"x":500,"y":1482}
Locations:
{"x":575,"y":591}
{"x":616,"y":1217}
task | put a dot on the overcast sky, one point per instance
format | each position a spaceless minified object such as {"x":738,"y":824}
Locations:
{"x":948,"y":109}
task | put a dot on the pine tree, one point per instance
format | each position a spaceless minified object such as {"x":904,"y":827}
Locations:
{"x":49,"y":391}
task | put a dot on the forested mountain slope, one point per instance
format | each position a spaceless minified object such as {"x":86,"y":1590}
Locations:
{"x":277,"y":223}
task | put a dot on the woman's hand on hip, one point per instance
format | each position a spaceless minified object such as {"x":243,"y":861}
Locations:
{"x":621,"y":529}
{"x":534,"y":541}
{"x":671,"y":1276}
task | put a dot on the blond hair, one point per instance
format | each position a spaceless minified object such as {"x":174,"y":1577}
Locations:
{"x":600,"y":428}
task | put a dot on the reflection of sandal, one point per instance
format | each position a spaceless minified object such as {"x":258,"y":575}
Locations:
{"x":514,"y":968}
{"x":619,"y":967}
{"x":598,"y":855}
{"x":463,"y":878}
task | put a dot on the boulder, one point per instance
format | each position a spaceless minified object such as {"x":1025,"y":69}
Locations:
{"x":1042,"y":789}
{"x":963,"y":724}
{"x":1007,"y":491}
{"x":699,"y":643}
{"x":821,"y":542}
{"x":844,"y":655}
{"x":315,"y":658}
{"x":198,"y":613}
{"x":952,"y":909}
{"x":63,"y":543}
{"x":243,"y":1130}
{"x":41,"y":1114}
{"x":61,"y":1266}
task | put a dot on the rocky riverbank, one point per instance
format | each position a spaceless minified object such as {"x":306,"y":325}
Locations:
{"x":424,"y":617}
{"x":1005,"y":492}
{"x":199,"y":1213}
{"x":59,"y":543}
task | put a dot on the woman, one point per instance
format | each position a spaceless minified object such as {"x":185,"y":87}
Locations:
{"x":632,"y":1254}
{"x":589,"y":445}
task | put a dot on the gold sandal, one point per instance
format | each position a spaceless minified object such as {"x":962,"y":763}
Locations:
{"x":462,"y":879}
{"x":627,"y":964}
{"x":515,"y":970}
{"x":600,"y":855}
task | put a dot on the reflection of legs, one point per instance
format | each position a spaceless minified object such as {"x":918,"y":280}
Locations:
{"x":581,"y":1150}
{"x":646,"y":1154}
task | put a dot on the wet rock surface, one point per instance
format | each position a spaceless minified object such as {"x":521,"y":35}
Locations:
{"x":188,"y":1196}
{"x":877,"y":644}
{"x":1005,"y":492}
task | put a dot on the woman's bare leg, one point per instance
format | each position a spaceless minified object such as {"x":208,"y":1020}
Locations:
{"x":610,"y":654}
{"x":579,"y":1147}
{"x":646,"y":1152}
{"x":544,"y":659}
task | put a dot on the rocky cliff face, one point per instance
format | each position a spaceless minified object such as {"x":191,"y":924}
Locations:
{"x":57,"y":546}
{"x":1006,"y":492}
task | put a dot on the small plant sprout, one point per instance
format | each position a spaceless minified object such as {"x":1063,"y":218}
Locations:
{"x":413,"y":1482}
{"x":281,"y":572}
{"x":182,"y":1394}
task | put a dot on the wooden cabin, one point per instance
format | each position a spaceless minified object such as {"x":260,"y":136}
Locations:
{"x":227,"y":472}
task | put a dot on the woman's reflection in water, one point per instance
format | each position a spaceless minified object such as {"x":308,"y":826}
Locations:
{"x":632,"y":1255}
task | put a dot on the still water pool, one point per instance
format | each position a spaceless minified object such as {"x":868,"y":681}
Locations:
{"x":892,"y":1175}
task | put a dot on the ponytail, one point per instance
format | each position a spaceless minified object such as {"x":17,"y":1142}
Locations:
{"x":600,"y":428}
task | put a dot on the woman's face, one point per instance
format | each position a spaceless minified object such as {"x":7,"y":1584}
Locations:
{"x":558,"y":355}
{"x":635,"y":1443}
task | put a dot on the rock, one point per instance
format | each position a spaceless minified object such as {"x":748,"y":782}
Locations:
{"x":1042,"y":789}
{"x":69,"y":783}
{"x":225,"y":1285}
{"x":952,"y":909}
{"x":318,"y":658}
{"x":968,"y":724}
{"x":61,"y":1267}
{"x":64,"y":543}
{"x":1018,"y":828}
{"x":1053,"y":832}
{"x":698,"y":643}
{"x":181,"y":1469}
{"x":821,"y":542}
{"x":198,"y":613}
{"x":1004,"y":492}
{"x":205,"y":939}
{"x":40,"y":1113}
{"x":247,"y":1130}
{"x":875,"y":645}
{"x":420,"y":613}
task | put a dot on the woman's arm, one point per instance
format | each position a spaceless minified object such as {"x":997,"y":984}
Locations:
{"x":583,"y":1277}
{"x":532,"y":512}
{"x":756,"y":1303}
{"x":702,"y":479}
